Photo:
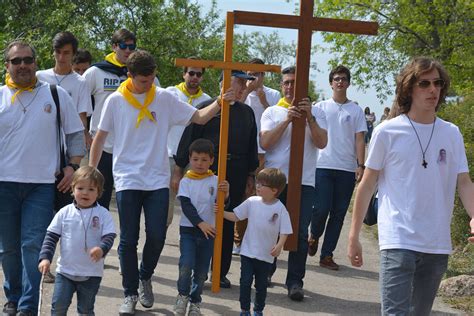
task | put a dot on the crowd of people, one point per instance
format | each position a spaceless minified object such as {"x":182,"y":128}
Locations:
{"x":154,"y":146}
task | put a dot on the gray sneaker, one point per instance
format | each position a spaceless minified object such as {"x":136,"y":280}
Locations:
{"x":181,"y":305}
{"x":194,"y":309}
{"x":145,"y":293}
{"x":128,"y":306}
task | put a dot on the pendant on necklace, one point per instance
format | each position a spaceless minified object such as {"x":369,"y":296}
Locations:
{"x":24,"y":111}
{"x":424,"y":164}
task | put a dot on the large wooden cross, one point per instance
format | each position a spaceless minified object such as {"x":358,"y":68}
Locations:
{"x":305,"y":24}
{"x":227,"y":65}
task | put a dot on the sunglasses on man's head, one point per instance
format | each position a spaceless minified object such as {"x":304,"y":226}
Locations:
{"x":27,"y":60}
{"x":124,"y":46}
{"x":423,"y":84}
{"x":194,"y":73}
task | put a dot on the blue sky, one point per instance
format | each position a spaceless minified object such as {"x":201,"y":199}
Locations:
{"x":365,"y":98}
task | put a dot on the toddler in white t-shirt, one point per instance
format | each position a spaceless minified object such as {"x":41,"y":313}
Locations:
{"x":87,"y":233}
{"x":268,"y":228}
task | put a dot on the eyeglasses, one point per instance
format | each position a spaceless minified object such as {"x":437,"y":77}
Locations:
{"x":288,"y":82}
{"x":424,"y":84}
{"x":194,"y":73}
{"x":339,"y":79}
{"x":124,"y":46}
{"x":27,"y":60}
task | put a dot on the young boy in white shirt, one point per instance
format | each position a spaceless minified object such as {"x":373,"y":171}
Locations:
{"x":267,"y":230}
{"x":197,"y":194}
{"x":87,"y":233}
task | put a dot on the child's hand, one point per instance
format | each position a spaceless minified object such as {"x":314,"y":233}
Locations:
{"x":207,"y":229}
{"x":224,"y":187}
{"x":276,"y":250}
{"x":43,"y":266}
{"x":96,"y":254}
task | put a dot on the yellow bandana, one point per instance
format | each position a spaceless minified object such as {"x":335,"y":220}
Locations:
{"x":125,"y":89}
{"x":112,"y":58}
{"x":191,"y":97}
{"x":10,"y":84}
{"x":197,"y":176}
{"x":282,"y":102}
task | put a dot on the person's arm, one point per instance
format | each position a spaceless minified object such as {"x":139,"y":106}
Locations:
{"x":466,"y":194}
{"x":87,"y":135}
{"x":360,"y":154}
{"x":269,"y":138}
{"x":319,"y":136}
{"x":230,"y":216}
{"x":97,"y":147}
{"x":76,"y":150}
{"x":276,"y":250}
{"x":106,"y":243}
{"x":189,"y":210}
{"x":362,"y":199}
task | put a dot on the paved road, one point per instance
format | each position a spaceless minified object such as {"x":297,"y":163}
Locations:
{"x":349,"y":291}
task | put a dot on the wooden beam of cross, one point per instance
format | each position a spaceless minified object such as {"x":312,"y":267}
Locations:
{"x":227,"y":65}
{"x":305,"y":23}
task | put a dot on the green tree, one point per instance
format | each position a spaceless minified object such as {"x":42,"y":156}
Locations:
{"x":441,"y":29}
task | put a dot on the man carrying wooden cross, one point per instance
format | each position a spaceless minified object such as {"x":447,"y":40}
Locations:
{"x":275,"y":138}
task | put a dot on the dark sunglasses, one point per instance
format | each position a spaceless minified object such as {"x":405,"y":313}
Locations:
{"x":194,"y":73}
{"x":124,"y":46}
{"x":26,"y":60}
{"x":423,"y":84}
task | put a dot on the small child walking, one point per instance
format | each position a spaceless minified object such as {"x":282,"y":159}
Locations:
{"x":197,"y":194}
{"x":87,"y":233}
{"x":268,"y":228}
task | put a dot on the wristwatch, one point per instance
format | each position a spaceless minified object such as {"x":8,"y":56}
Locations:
{"x":74,"y":166}
{"x":361,"y":166}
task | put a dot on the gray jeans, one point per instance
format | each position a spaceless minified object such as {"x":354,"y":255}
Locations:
{"x":409,"y":281}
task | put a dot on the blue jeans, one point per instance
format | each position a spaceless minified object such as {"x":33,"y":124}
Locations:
{"x":26,"y":209}
{"x":64,"y":289}
{"x":196,"y":252}
{"x":105,"y":167}
{"x":333,"y":195}
{"x":409,"y":281}
{"x":155,"y":208}
{"x":250,"y":267}
{"x":297,"y":259}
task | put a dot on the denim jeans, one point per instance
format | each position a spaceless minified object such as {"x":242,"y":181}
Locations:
{"x":155,"y":208}
{"x":409,"y":281}
{"x":26,"y":209}
{"x":105,"y":167}
{"x":64,"y":289}
{"x":297,"y":259}
{"x":250,"y":267}
{"x":196,"y":252}
{"x":333,"y":195}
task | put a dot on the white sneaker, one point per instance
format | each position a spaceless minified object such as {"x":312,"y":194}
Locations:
{"x":236,"y":251}
{"x":145,"y":293}
{"x":194,"y":309}
{"x":128,"y":306}
{"x":181,"y":305}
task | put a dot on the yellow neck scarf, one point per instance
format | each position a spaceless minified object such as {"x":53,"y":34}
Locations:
{"x":196,"y":176}
{"x":112,"y":58}
{"x":125,"y":89}
{"x":282,"y":102}
{"x":191,"y":97}
{"x":10,"y":84}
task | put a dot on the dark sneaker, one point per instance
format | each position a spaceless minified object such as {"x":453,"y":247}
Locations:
{"x":245,"y":313}
{"x":129,"y":305}
{"x":296,"y":293}
{"x":312,"y":246}
{"x":194,"y":309}
{"x":25,"y":312}
{"x":49,"y":278}
{"x":181,"y":305}
{"x":225,"y":283}
{"x":9,"y":308}
{"x":328,"y":263}
{"x":145,"y":293}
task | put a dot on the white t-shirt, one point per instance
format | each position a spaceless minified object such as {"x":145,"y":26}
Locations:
{"x":416,"y":203}
{"x":140,"y":155}
{"x":273,"y":96}
{"x":265,"y":223}
{"x":74,"y":225}
{"x":175,"y":133}
{"x":101,"y":85}
{"x":279,"y":155}
{"x":202,"y":194}
{"x":344,"y":121}
{"x":29,"y":145}
{"x":74,"y":84}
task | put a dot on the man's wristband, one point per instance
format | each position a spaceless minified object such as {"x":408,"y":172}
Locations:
{"x":361,"y":166}
{"x":74,"y":166}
